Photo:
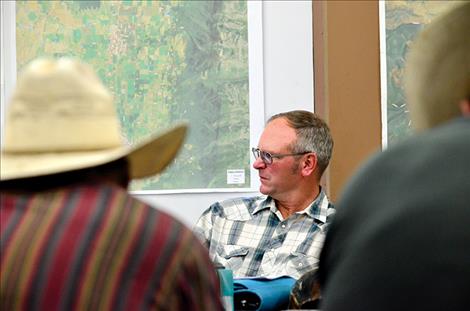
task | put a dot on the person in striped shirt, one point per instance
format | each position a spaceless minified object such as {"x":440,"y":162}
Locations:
{"x":281,"y":232}
{"x":72,"y":238}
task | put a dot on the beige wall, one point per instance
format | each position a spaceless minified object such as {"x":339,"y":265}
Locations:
{"x":347,"y":82}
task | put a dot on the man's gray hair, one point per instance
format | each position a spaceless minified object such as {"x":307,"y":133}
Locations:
{"x":437,"y":73}
{"x":313,"y":135}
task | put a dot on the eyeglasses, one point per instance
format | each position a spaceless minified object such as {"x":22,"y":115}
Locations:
{"x":267,"y":157}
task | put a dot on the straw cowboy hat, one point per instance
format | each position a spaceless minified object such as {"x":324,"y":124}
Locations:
{"x":61,"y":118}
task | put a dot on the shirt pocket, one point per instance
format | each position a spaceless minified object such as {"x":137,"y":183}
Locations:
{"x":232,"y":256}
{"x":300,"y":263}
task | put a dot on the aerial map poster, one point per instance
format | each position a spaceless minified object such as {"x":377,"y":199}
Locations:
{"x":165,"y":62}
{"x":400,"y":22}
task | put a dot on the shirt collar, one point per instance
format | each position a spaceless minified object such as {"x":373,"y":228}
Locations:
{"x":266,"y":202}
{"x":318,"y":209}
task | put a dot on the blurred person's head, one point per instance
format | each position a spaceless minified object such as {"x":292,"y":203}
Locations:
{"x":437,"y":79}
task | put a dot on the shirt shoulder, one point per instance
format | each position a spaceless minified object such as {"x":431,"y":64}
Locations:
{"x":241,"y":208}
{"x":321,"y":209}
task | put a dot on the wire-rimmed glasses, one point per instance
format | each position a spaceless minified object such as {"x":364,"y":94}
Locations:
{"x":268,"y":157}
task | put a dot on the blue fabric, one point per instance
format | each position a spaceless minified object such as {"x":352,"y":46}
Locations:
{"x":262,"y":293}
{"x":226,"y":288}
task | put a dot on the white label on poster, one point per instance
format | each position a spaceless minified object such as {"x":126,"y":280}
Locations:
{"x":235,"y":177}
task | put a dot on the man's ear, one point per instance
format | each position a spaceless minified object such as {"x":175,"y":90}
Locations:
{"x":310,"y":163}
{"x":465,"y":107}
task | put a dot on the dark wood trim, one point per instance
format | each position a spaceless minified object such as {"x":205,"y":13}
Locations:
{"x":319,"y":75}
{"x":347,"y":83}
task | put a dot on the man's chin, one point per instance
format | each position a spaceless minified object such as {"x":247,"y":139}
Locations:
{"x":264,"y":190}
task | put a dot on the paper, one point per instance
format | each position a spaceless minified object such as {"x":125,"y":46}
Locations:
{"x":235,"y":177}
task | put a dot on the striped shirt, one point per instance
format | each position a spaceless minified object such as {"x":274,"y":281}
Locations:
{"x":250,"y":236}
{"x":96,"y":248}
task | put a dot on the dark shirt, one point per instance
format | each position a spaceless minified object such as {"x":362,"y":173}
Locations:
{"x":401,"y":237}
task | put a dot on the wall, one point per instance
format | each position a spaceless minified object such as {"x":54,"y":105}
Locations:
{"x":347,"y":83}
{"x":288,"y":84}
{"x":347,"y":90}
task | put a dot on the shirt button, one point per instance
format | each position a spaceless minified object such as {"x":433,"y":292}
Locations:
{"x":300,"y":264}
{"x":283,"y":225}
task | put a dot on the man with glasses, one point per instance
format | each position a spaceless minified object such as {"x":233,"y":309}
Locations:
{"x":280,"y":232}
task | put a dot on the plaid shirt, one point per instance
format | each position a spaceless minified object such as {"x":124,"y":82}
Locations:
{"x":250,"y":236}
{"x":94,"y":247}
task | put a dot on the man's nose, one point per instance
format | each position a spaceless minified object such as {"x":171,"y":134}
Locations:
{"x":259,"y":164}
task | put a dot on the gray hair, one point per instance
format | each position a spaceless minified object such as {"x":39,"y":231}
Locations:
{"x":313,"y":135}
{"x":437,"y":73}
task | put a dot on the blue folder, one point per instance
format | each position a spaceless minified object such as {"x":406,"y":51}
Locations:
{"x":262,"y":293}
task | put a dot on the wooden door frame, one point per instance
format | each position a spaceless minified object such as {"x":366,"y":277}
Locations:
{"x":347,"y":83}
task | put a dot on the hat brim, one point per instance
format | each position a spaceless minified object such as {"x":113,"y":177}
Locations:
{"x":145,"y":159}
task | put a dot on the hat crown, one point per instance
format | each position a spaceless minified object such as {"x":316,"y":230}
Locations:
{"x":60,"y":105}
{"x":61,"y":118}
